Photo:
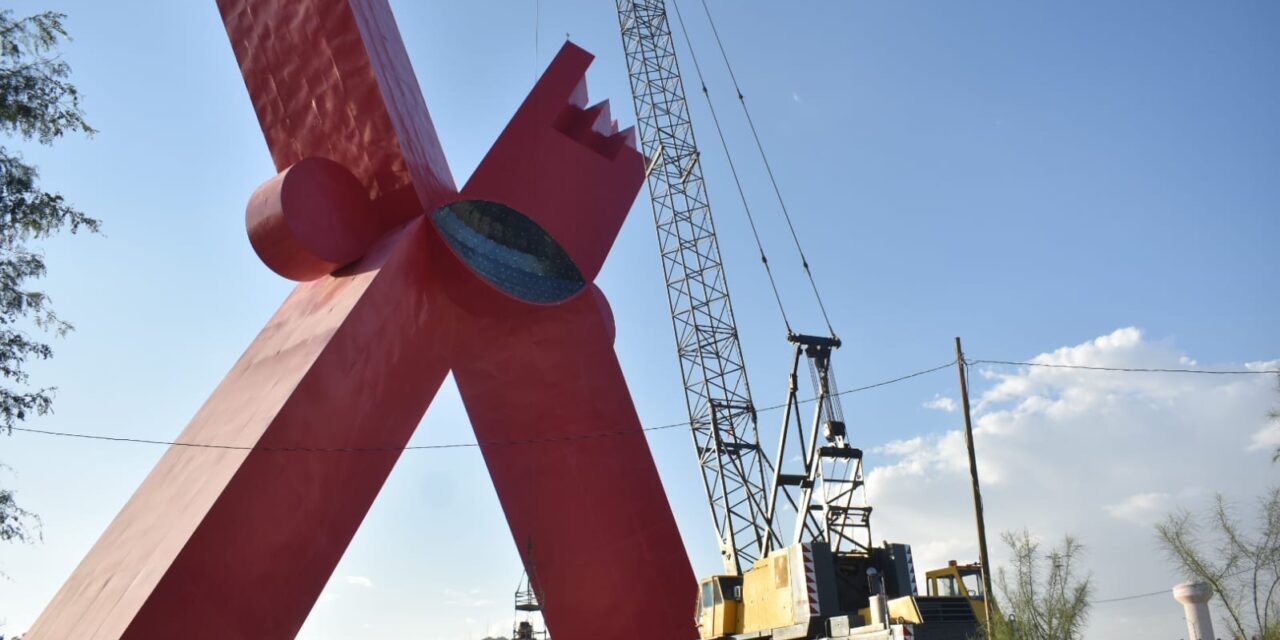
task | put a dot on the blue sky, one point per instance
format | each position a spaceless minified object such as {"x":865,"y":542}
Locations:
{"x":1095,"y":182}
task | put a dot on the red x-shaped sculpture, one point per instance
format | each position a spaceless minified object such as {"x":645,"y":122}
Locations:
{"x":403,"y":279}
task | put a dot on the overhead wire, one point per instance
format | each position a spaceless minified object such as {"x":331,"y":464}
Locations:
{"x":1215,"y":372}
{"x":693,"y":56}
{"x":764,"y":157}
{"x":673,"y":425}
{"x":1162,"y":591}
{"x":1134,"y":597}
{"x":462,"y":445}
{"x":629,"y":432}
{"x":620,"y":432}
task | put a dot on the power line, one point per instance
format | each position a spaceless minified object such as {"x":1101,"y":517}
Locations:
{"x":461,"y":445}
{"x":1129,"y":369}
{"x":1162,"y":591}
{"x":895,"y":380}
{"x":605,"y":434}
{"x":664,"y":427}
{"x":1140,"y":595}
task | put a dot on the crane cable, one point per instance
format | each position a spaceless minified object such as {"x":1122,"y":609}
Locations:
{"x":786,"y":214}
{"x":537,"y":33}
{"x":733,"y":170}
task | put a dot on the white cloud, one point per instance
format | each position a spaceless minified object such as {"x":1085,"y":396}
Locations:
{"x":1142,"y":508}
{"x":1099,"y":455}
{"x":902,"y":447}
{"x":359,"y":581}
{"x":796,"y":97}
{"x":1268,"y":437}
{"x":942,"y":403}
{"x":468,"y":598}
{"x":328,"y":596}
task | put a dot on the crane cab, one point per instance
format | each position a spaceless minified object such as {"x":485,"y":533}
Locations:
{"x":959,"y":580}
{"x":719,"y":606}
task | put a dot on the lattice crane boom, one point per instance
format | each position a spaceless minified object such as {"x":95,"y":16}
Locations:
{"x":721,"y":414}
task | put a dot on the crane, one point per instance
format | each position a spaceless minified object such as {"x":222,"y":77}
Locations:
{"x":743,"y":486}
{"x":814,"y":581}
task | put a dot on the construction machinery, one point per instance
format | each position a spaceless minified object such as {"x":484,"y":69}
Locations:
{"x":528,"y":622}
{"x":959,"y":580}
{"x":794,"y":532}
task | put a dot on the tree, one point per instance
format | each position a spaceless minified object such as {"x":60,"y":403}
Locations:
{"x":1275,"y":417}
{"x":1242,"y":569}
{"x":1035,"y":605}
{"x":37,"y":103}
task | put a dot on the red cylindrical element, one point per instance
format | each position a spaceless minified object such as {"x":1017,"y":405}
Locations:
{"x":311,"y":219}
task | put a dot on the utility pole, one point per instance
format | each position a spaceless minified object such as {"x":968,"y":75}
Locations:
{"x":987,"y":595}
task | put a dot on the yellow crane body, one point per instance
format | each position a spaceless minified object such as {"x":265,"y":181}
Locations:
{"x":959,"y":580}
{"x":785,"y":593}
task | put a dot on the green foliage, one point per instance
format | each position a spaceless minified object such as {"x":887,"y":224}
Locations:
{"x":1041,"y":595}
{"x":1242,"y":569}
{"x":16,"y":524}
{"x":37,"y":103}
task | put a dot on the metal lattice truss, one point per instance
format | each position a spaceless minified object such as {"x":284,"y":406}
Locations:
{"x":722,"y":416}
{"x":823,"y":487}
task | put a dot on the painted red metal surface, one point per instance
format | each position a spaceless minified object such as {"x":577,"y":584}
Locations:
{"x":586,"y":506}
{"x":311,"y":219}
{"x":238,"y":543}
{"x":555,"y":125}
{"x":605,"y":553}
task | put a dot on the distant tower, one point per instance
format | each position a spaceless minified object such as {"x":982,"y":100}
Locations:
{"x":1194,"y":597}
{"x":528,"y":608}
{"x":528,"y":612}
